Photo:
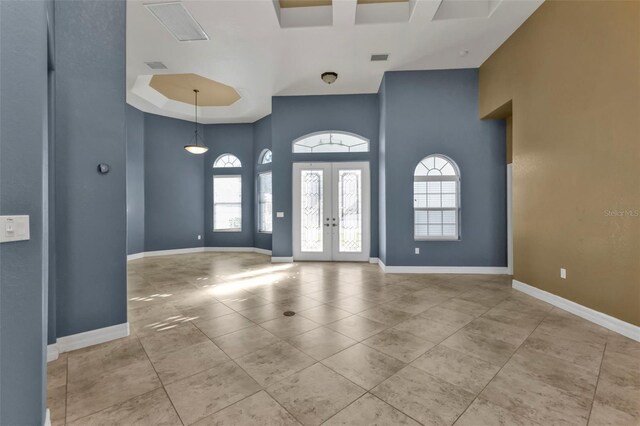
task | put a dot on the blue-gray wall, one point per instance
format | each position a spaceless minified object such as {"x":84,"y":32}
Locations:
{"x":295,"y":116}
{"x":261,"y":141}
{"x":91,"y":218}
{"x":23,"y":183}
{"x":429,"y":112}
{"x":135,"y":180}
{"x":382,"y":177}
{"x":236,"y":139}
{"x":173,"y":186}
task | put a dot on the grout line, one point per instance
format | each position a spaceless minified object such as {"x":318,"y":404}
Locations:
{"x":498,"y":372}
{"x":595,"y":390}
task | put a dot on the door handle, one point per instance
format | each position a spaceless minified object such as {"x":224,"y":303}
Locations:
{"x":326,"y":224}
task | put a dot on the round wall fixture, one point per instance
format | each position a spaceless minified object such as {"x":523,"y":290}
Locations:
{"x":103,"y":168}
{"x":329,"y":77}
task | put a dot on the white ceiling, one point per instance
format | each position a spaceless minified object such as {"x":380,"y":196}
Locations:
{"x":249,"y":51}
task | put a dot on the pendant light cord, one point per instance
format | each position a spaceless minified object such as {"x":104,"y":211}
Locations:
{"x":196,"y":114}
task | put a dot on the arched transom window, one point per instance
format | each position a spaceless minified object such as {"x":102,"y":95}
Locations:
{"x":436,"y":199}
{"x":227,"y":160}
{"x":265,"y":156}
{"x":330,"y":142}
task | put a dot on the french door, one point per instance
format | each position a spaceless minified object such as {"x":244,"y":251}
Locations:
{"x":331,"y":211}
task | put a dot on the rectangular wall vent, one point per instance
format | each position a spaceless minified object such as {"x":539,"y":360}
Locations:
{"x":156,"y":65}
{"x":379,"y":57}
{"x":178,"y":21}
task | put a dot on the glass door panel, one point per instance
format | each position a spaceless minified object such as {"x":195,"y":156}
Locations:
{"x":311,"y":211}
{"x":350,"y":210}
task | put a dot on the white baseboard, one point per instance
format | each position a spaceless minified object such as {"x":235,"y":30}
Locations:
{"x":198,"y":250}
{"x":93,"y":337}
{"x":282,"y":259}
{"x":47,"y":418}
{"x":52,"y":352}
{"x":492,"y":270}
{"x":629,"y":330}
{"x":374,"y":260}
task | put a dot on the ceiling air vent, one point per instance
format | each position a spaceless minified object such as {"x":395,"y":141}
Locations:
{"x":379,"y":57}
{"x":156,"y":65}
{"x":178,"y":21}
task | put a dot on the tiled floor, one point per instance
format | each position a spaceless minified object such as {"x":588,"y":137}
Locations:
{"x":210,"y":346}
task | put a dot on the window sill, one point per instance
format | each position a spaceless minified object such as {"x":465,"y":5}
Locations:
{"x":437,"y":239}
{"x":265,"y":232}
{"x":227,"y":230}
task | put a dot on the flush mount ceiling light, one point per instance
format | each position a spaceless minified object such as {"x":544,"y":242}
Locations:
{"x":196,"y":148}
{"x":178,"y":21}
{"x":329,"y":77}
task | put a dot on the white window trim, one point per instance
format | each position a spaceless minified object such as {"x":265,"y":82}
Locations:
{"x":259,"y":209}
{"x":364,"y":140}
{"x":439,"y":178}
{"x":214,"y":203}
{"x":263,"y":154}
{"x":227,"y":167}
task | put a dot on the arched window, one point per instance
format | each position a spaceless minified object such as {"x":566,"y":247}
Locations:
{"x":330,"y":142}
{"x":436,"y":199}
{"x":227,"y":160}
{"x":265,"y":156}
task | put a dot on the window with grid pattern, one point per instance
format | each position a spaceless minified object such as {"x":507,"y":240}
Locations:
{"x":227,"y":203}
{"x":436,"y":199}
{"x":265,"y":218}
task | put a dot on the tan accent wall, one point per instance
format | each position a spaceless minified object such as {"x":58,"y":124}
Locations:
{"x":179,"y":87}
{"x":572,"y":72}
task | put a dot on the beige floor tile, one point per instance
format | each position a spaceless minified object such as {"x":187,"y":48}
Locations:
{"x":247,"y":340}
{"x":257,"y":409}
{"x":363,"y":365}
{"x":555,"y":371}
{"x":353,"y":304}
{"x":502,"y":331}
{"x":464,"y":306}
{"x":321,"y":342}
{"x":297,"y":303}
{"x":369,"y":410}
{"x":482,"y":412}
{"x":467,"y":372}
{"x":572,"y":349}
{"x":399,"y":344}
{"x":57,"y":372}
{"x":263,"y":313}
{"x":153,"y":408}
{"x":357,"y":327}
{"x":423,"y":397}
{"x":57,"y":403}
{"x":219,"y":326}
{"x":454,"y":318}
{"x":188,"y":360}
{"x":486,"y":347}
{"x":170,"y":340}
{"x":603,"y":414}
{"x":99,"y":391}
{"x":205,"y":393}
{"x":240,"y":303}
{"x":315,"y":394}
{"x":288,"y":327}
{"x":526,"y":396}
{"x":415,"y":305}
{"x":105,"y":357}
{"x":385,"y":315}
{"x":428,"y":329}
{"x":274,"y":362}
{"x":324,"y":314}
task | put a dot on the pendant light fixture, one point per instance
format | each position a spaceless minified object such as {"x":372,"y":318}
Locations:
{"x":194,"y":147}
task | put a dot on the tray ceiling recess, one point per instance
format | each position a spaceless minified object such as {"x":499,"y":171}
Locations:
{"x":242,"y":53}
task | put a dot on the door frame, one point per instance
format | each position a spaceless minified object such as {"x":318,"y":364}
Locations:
{"x":330,"y":244}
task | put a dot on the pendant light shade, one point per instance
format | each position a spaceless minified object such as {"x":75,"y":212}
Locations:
{"x":194,"y":147}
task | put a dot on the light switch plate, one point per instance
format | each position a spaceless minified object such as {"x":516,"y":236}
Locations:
{"x":563,"y":273}
{"x":417,"y":250}
{"x":279,"y":214}
{"x":14,"y":228}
